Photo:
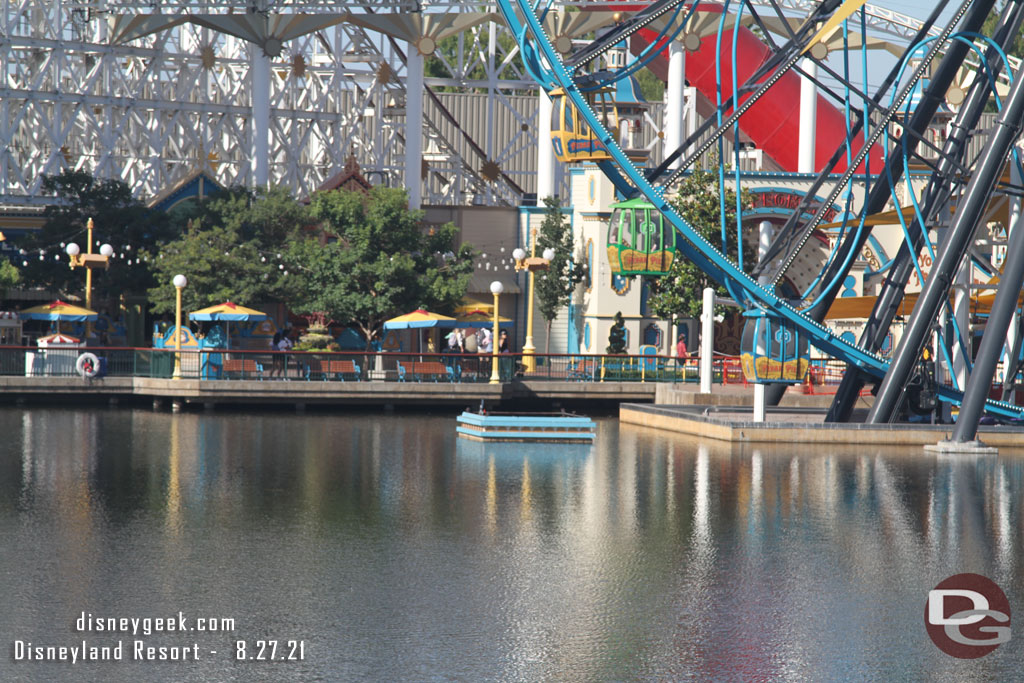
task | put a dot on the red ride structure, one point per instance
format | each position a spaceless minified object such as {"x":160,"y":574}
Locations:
{"x":773,"y":123}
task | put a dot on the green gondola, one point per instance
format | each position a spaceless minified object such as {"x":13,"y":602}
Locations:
{"x":640,"y":241}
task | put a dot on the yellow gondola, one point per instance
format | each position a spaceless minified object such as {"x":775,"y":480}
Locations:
{"x":640,"y":242}
{"x":571,"y":137}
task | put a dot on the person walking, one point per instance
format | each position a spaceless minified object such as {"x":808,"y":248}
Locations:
{"x":277,"y":367}
{"x":681,"y":351}
{"x":285,"y":345}
{"x":503,"y":345}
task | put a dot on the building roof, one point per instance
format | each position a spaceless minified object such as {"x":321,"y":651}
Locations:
{"x":198,"y":183}
{"x":349,"y":178}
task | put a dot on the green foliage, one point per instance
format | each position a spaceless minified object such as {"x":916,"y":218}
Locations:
{"x":617,"y":336}
{"x":679,"y":294}
{"x":651,"y":87}
{"x":553,"y":288}
{"x":1015,"y":49}
{"x":270,"y":217}
{"x":453,"y":50}
{"x":220,"y":267}
{"x":118,"y":219}
{"x":227,"y":248}
{"x":382,"y":264}
{"x":9,"y":275}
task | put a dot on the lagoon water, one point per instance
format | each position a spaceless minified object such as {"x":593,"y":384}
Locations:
{"x":393,"y":551}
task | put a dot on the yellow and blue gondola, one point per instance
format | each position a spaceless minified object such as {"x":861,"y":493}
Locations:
{"x":571,"y":137}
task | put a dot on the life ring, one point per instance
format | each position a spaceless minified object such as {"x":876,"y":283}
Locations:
{"x":88,"y":365}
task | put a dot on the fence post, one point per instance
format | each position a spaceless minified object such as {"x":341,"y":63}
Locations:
{"x":707,"y":332}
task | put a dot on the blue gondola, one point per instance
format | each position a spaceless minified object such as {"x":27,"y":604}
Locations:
{"x":773,"y":350}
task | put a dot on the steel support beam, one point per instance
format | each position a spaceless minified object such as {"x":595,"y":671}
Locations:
{"x":935,"y":197}
{"x":933,"y":95}
{"x":936,"y":288}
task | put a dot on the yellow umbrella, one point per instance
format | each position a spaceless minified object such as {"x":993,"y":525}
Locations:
{"x":227,"y":312}
{"x":58,"y":310}
{"x":419,"y":318}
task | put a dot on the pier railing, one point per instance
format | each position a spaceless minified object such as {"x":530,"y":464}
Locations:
{"x":360,"y":366}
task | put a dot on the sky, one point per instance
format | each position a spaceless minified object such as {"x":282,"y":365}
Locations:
{"x":879,"y":63}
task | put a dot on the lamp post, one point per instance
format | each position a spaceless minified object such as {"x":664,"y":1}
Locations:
{"x":89,"y":260}
{"x":496,"y":289}
{"x":179,"y":282}
{"x":532,"y":265}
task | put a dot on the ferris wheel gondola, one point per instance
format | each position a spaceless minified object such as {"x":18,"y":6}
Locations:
{"x":640,"y":242}
{"x":571,"y":136}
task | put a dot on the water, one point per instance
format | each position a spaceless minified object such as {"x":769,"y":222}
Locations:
{"x":393,"y":551}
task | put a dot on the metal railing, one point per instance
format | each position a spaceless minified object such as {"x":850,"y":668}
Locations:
{"x":317,"y":366}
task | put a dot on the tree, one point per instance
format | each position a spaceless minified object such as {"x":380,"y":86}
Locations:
{"x":269,"y":216}
{"x":553,"y":288}
{"x":118,"y":218}
{"x":382,"y":264}
{"x":9,"y":276}
{"x":219,"y":267}
{"x":454,"y":58}
{"x":1015,"y":49}
{"x":617,"y":336}
{"x":230,"y":247}
{"x":651,"y":87}
{"x":679,"y":294}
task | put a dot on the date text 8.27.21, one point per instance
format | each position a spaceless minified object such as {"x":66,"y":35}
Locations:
{"x":270,"y":650}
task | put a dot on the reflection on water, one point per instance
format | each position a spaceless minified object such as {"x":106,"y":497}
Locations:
{"x":398,"y":552}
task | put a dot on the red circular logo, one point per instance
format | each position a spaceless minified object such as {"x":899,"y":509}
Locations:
{"x":967,"y":616}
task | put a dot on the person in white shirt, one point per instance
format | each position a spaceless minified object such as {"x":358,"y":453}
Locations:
{"x":285,"y":345}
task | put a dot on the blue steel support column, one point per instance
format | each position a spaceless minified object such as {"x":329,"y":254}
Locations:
{"x":958,"y":239}
{"x":935,"y":197}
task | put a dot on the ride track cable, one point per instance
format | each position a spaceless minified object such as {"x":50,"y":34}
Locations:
{"x":544,"y":63}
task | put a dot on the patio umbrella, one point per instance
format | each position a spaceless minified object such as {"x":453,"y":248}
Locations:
{"x":481,"y":318}
{"x":419,"y":319}
{"x":58,"y":311}
{"x":227,"y":312}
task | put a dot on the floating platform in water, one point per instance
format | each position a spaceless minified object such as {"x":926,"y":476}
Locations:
{"x":530,"y":427}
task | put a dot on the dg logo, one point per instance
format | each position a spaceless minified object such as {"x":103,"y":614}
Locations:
{"x":967,"y":616}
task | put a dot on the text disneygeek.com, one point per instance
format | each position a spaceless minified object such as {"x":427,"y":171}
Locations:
{"x":101,"y":647}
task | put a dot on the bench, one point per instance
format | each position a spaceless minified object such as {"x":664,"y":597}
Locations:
{"x":420,"y":370}
{"x":329,"y":369}
{"x":242,"y":368}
